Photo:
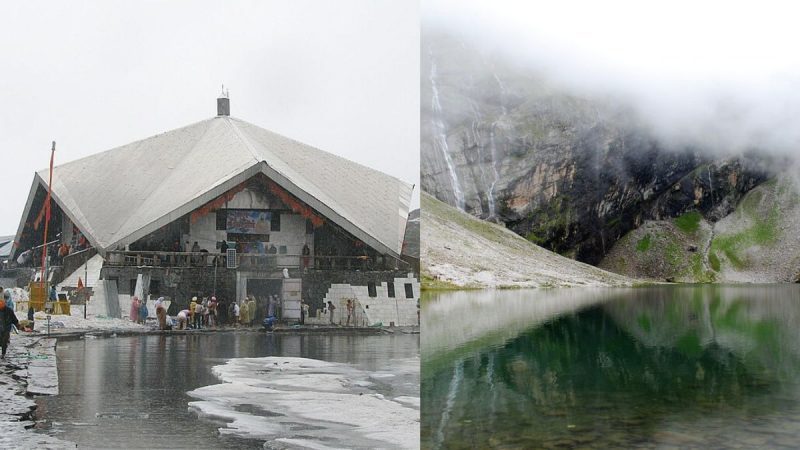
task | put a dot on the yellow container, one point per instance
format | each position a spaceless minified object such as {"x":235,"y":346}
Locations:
{"x":38,"y":295}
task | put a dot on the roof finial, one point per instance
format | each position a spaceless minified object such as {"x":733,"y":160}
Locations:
{"x":223,"y":103}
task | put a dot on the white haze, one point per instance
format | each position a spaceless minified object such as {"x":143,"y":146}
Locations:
{"x":92,"y":75}
{"x":724,"y":76}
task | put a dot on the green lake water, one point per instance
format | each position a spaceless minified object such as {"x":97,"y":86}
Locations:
{"x":656,"y":367}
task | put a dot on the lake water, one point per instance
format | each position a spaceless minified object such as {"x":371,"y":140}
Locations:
{"x":655,"y":367}
{"x":132,"y":392}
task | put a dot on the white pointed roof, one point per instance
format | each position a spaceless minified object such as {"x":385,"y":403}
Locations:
{"x":120,"y":195}
{"x":6,"y":245}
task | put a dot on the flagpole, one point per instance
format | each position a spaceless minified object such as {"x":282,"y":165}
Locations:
{"x":47,"y":220}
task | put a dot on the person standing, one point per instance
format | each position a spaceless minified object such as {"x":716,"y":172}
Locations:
{"x":244,"y":313}
{"x":9,"y":298}
{"x":223,"y":248}
{"x":198,"y":315}
{"x":192,"y":305}
{"x":187,"y":259}
{"x":306,"y":256}
{"x":303,"y":308}
{"x":272,"y":306}
{"x":222,"y":313}
{"x":272,"y":257}
{"x":251,"y":308}
{"x":135,"y":310}
{"x":30,"y":315}
{"x":331,"y":309}
{"x":161,"y":313}
{"x":231,"y":316}
{"x":7,"y":320}
{"x":195,"y":259}
{"x":212,"y":312}
{"x":143,"y":312}
{"x":236,"y":312}
{"x":349,"y":310}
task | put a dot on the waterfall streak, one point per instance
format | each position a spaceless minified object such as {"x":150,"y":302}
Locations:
{"x":440,"y":138}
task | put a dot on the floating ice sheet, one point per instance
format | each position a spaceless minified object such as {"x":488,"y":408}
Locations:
{"x":308,"y":403}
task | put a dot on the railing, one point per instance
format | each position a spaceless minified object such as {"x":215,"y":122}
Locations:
{"x":201,"y":259}
{"x":163,"y":259}
{"x":258,"y":261}
{"x":73,"y":261}
{"x":358,"y":263}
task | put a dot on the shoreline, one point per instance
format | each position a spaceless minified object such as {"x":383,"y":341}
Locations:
{"x":68,"y":334}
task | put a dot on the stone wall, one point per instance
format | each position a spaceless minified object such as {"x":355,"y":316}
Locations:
{"x":397,"y":310}
{"x":317,"y":283}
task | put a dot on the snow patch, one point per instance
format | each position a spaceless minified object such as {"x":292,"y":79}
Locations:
{"x":75,"y":321}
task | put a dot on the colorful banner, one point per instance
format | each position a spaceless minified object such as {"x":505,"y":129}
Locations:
{"x":248,"y":222}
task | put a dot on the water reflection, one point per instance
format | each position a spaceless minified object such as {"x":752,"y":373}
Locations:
{"x":684,"y":366}
{"x":457,"y":321}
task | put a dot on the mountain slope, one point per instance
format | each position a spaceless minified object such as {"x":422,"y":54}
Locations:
{"x":459,"y":249}
{"x":759,"y":242}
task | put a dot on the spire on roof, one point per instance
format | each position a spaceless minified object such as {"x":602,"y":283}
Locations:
{"x":224,"y":103}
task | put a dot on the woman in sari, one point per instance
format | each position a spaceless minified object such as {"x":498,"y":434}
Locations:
{"x":135,"y":310}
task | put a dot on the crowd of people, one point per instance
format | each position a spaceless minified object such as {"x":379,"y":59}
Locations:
{"x":207,"y":312}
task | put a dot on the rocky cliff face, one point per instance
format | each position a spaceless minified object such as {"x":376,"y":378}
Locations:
{"x":759,"y":242}
{"x":572,"y":174}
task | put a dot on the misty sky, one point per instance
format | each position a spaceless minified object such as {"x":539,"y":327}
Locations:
{"x":721,"y":75}
{"x":342,"y":76}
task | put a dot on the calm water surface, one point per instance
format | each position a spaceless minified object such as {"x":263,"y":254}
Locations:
{"x":660,"y":367}
{"x":130,"y":392}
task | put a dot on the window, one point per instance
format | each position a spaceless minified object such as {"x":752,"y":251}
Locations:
{"x":222,"y":219}
{"x":155,"y":287}
{"x":409,"y":290}
{"x":390,"y":289}
{"x":373,"y":292}
{"x":282,"y":249}
{"x":309,"y":227}
{"x":275,"y":221}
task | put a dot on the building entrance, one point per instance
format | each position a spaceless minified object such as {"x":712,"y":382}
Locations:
{"x":265,"y":290}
